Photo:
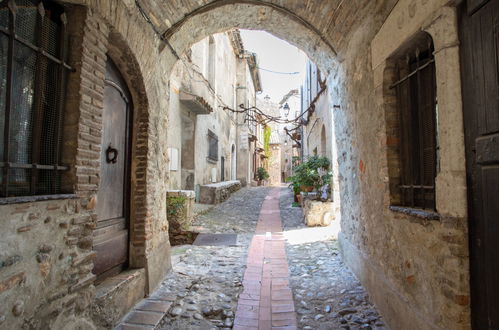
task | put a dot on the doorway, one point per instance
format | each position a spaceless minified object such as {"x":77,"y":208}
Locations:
{"x":111,"y":236}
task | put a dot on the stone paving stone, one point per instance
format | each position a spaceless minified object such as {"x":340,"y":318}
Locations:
{"x":247,"y":314}
{"x":143,"y":318}
{"x":282,"y":323}
{"x":280,"y":308}
{"x":242,"y":327}
{"x":264,"y":325}
{"x":125,"y":326}
{"x":153,"y":305}
{"x":250,"y":322}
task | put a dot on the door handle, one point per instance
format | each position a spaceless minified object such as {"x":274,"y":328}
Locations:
{"x":111,"y":155}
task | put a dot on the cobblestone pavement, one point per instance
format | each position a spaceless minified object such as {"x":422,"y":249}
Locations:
{"x":326,"y":293}
{"x":206,"y":281}
{"x":203,"y":289}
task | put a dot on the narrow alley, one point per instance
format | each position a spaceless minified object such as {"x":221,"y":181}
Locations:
{"x":249,"y":164}
{"x":277,"y":274}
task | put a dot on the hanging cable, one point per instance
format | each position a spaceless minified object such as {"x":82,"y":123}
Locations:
{"x":278,"y":72}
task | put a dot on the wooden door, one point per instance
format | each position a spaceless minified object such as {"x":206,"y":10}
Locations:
{"x":479,"y":28}
{"x":111,"y":234}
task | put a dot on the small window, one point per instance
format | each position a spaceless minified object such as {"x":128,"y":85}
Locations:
{"x":212,"y":146}
{"x":33,"y":68}
{"x":417,"y":104}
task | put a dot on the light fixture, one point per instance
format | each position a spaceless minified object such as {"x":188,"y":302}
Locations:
{"x":286,"y":109}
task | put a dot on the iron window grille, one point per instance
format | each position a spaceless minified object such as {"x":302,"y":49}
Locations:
{"x":33,"y":70}
{"x":417,"y":103}
{"x":212,"y":146}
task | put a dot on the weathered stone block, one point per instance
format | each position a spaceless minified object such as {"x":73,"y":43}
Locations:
{"x":116,"y":295}
{"x":216,"y":193}
{"x":318,"y":213}
{"x":179,"y":205}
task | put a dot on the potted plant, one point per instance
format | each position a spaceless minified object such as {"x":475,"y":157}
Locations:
{"x":296,"y":190}
{"x":261,"y":175}
{"x":312,"y":174}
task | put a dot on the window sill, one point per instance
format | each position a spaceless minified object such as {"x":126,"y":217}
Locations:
{"x":418,"y":213}
{"x":212,"y":161}
{"x":39,"y":198}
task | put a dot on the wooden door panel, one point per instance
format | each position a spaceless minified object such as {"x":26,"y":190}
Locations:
{"x":111,"y":251}
{"x":473,"y":5}
{"x":487,"y":149}
{"x":111,"y":234}
{"x":112,"y":179}
{"x":490,"y":37}
{"x":490,"y":175}
{"x":479,"y":27}
{"x":102,"y":233}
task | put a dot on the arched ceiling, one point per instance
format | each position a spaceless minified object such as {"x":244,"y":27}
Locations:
{"x":330,"y":20}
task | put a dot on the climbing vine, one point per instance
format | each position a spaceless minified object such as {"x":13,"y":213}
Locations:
{"x":267,"y":131}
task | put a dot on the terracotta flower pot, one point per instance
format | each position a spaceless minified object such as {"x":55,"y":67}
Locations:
{"x":307,"y":188}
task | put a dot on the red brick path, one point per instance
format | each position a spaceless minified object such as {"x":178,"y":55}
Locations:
{"x":267,"y":300}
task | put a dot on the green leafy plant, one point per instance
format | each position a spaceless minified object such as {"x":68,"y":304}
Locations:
{"x":314,"y":173}
{"x":262,"y":174}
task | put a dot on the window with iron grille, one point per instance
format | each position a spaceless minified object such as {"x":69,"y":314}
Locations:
{"x":417,"y":104}
{"x":33,"y":68}
{"x":212,"y":146}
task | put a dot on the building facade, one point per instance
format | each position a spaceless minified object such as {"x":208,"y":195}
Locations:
{"x":203,"y":145}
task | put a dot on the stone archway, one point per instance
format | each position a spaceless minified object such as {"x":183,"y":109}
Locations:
{"x":379,"y":244}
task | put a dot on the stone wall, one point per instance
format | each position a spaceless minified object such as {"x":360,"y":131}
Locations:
{"x":46,"y":275}
{"x":190,"y":74}
{"x":320,"y":121}
{"x":416,"y":270}
{"x":216,"y":193}
{"x":245,"y":94}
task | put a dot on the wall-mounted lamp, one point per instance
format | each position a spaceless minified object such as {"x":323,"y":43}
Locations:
{"x":286,"y":109}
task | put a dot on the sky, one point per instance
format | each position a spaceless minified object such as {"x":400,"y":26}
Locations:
{"x":276,"y":55}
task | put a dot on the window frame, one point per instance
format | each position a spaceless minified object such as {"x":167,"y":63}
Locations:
{"x":417,"y":107}
{"x":39,"y":108}
{"x":212,"y":153}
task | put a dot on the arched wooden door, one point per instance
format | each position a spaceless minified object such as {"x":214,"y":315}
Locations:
{"x":111,"y":236}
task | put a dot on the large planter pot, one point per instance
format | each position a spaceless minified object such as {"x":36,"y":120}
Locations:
{"x":307,"y":188}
